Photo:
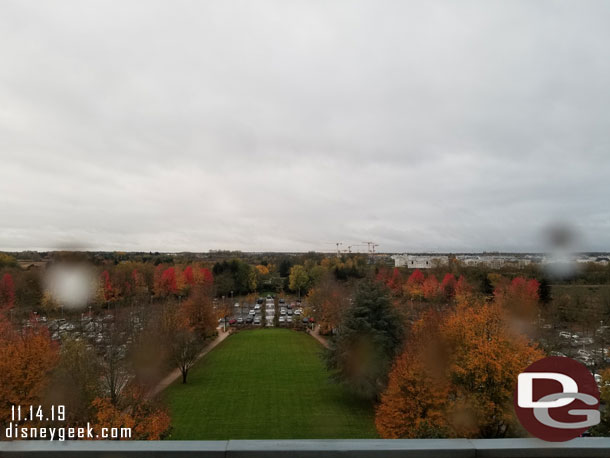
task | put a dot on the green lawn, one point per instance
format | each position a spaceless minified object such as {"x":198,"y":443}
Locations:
{"x":265,"y":384}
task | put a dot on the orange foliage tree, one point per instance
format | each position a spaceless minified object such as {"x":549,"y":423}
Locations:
{"x":328,"y":301}
{"x":462,"y":388}
{"x":147,"y":420}
{"x":27,"y":358}
{"x":430,"y":288}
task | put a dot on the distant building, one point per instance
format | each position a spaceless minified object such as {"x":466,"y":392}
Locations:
{"x":416,"y":261}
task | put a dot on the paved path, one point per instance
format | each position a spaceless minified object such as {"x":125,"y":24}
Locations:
{"x":316,"y":335}
{"x":176,"y":373}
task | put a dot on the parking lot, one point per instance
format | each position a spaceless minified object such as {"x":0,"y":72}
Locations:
{"x":269,"y":312}
{"x":590,"y":347}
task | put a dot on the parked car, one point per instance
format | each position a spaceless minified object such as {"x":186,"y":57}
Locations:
{"x":297,"y":312}
{"x":289,"y":312}
{"x":282,"y":301}
{"x":251,"y":312}
{"x":282,"y":311}
{"x":305,"y":320}
{"x":257,"y":306}
{"x":249,"y":320}
{"x":260,"y":300}
{"x":288,"y":319}
{"x":257,"y":320}
{"x":236,"y":304}
{"x":282,"y":319}
{"x":565,"y":334}
{"x":232,"y":321}
{"x":240,"y":320}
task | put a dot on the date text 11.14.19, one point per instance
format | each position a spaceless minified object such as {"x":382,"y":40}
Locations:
{"x":33,"y":413}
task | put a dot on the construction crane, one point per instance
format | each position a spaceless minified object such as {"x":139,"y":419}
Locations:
{"x":349,"y":247}
{"x":338,"y":250}
{"x":337,"y":244}
{"x":371,"y":247}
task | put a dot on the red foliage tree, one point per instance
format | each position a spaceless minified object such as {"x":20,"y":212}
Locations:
{"x":107,"y":288}
{"x":165,"y":281}
{"x":207,"y":275}
{"x":520,"y":296}
{"x":7,"y":292}
{"x":189,"y":278}
{"x":430,"y":288}
{"x":395,"y":281}
{"x":414,"y":285}
{"x":463,"y":290}
{"x":448,"y":286}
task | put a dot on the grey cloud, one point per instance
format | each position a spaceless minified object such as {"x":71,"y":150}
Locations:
{"x":277,"y":125}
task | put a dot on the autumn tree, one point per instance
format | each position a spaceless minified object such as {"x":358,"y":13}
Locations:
{"x":448,"y":286}
{"x":185,"y":349}
{"x":368,"y":338}
{"x":6,"y":260}
{"x":298,"y":279}
{"x":7,"y":292}
{"x":114,"y":368}
{"x":395,"y":281}
{"x":466,"y":388}
{"x":414,"y":286}
{"x":415,"y":401}
{"x":75,"y":381}
{"x":463,"y":291}
{"x":27,"y":358}
{"x":430,"y":288}
{"x":519,"y":296}
{"x":198,"y":309}
{"x":603,"y":428}
{"x":146,"y":419}
{"x":329,"y":300}
{"x":108,"y":290}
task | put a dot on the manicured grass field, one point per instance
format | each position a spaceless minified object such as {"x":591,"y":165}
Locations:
{"x":265,"y":384}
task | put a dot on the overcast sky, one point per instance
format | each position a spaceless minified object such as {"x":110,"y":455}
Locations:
{"x":291,"y":125}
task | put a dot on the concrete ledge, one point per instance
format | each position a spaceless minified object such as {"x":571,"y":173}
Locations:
{"x":361,"y":448}
{"x":357,"y":448}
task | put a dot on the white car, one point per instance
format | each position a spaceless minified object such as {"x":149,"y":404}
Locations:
{"x":257,"y":307}
{"x":297,"y":312}
{"x":282,"y":319}
{"x":251,"y":312}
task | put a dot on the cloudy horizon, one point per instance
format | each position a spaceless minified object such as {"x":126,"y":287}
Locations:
{"x":288,"y":126}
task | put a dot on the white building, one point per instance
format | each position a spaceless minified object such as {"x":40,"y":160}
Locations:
{"x":417,"y":261}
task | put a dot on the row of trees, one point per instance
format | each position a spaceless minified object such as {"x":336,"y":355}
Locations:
{"x":450,"y":371}
{"x":109,"y":386}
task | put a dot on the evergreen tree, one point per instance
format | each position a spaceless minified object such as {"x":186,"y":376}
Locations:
{"x":369,"y":337}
